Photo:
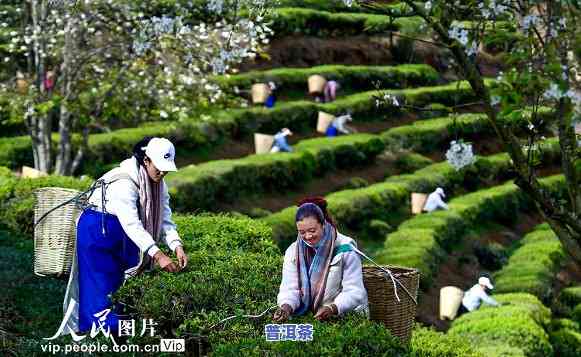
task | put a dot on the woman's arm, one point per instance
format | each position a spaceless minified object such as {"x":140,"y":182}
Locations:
{"x":353,"y":291}
{"x":289,"y":292}
{"x":171,"y":236}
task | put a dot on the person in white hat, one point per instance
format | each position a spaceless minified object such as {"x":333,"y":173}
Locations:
{"x":474,"y":297}
{"x":280,"y":143}
{"x":118,"y":236}
{"x":435,"y":201}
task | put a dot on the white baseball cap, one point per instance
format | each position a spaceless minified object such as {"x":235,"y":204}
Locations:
{"x":162,"y":153}
{"x":486,"y":282}
{"x":440,"y":191}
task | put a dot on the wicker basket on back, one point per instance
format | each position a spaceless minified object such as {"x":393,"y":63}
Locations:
{"x":55,"y":234}
{"x":397,"y":316}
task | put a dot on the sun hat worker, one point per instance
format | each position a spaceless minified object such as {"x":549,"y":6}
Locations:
{"x":321,"y":271}
{"x":118,"y":236}
{"x":474,"y":297}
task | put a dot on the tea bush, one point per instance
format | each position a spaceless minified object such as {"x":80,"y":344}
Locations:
{"x":513,"y":329}
{"x":532,"y":267}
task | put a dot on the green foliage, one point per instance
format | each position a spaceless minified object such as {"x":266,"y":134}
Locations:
{"x":379,"y":228}
{"x":356,"y":182}
{"x":197,"y":187}
{"x":429,"y":343}
{"x":17,"y":199}
{"x":533,"y":265}
{"x":352,"y":336}
{"x":566,"y":342}
{"x":222,"y":278}
{"x":571,"y":296}
{"x":513,"y":329}
{"x":421,"y":241}
{"x":293,"y":21}
{"x":354,"y":208}
{"x":351,"y":78}
{"x":195,"y":133}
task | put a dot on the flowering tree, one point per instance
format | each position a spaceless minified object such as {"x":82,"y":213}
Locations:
{"x":81,"y":57}
{"x":541,"y":45}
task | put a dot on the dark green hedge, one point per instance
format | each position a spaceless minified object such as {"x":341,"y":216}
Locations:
{"x":571,"y":296}
{"x":17,"y":199}
{"x":233,"y":266}
{"x":420,"y":241}
{"x":199,"y":186}
{"x":513,"y":329}
{"x":293,"y":21}
{"x":397,"y":8}
{"x":300,"y":116}
{"x":356,"y":208}
{"x":351,"y":78}
{"x":566,"y":342}
{"x":533,"y":265}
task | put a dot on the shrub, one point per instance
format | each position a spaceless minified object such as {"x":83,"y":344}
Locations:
{"x":429,"y":343}
{"x":197,"y":187}
{"x":17,"y":199}
{"x":513,"y":329}
{"x":350,"y":336}
{"x":356,"y":182}
{"x":419,"y":242}
{"x":566,"y":342}
{"x":351,"y":78}
{"x":293,"y":21}
{"x":379,"y":228}
{"x":571,"y":296}
{"x":222,"y":277}
{"x":194,"y":133}
{"x":532,"y":267}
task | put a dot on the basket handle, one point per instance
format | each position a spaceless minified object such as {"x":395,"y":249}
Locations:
{"x":393,"y":279}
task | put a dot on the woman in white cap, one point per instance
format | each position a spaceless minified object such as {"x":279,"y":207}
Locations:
{"x":435,"y":201}
{"x":118,"y":235}
{"x":474,"y":297}
{"x":280,"y":143}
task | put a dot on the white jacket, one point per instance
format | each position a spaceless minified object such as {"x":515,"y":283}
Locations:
{"x":474,"y":297}
{"x":434,"y":202}
{"x":122,"y":197}
{"x":344,"y":286}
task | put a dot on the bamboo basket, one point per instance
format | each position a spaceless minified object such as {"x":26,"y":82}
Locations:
{"x":450,"y":300}
{"x":316,"y":84}
{"x":260,"y":92}
{"x":263,"y":143}
{"x":418,"y":202}
{"x":323,"y":121}
{"x":397,"y":316}
{"x":55,"y":235}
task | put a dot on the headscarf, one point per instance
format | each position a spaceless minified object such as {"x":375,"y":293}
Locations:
{"x":313,"y":278}
{"x":150,"y":209}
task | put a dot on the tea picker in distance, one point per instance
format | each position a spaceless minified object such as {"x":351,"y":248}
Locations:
{"x":118,"y":235}
{"x":322,"y":272}
{"x":339,"y":126}
{"x":435,"y":201}
{"x":280,"y":143}
{"x":474,"y":297}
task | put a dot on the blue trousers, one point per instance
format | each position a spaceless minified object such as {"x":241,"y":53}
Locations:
{"x":331,"y":131}
{"x":102,"y":261}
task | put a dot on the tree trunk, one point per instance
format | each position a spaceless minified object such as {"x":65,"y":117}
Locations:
{"x":64,"y":159}
{"x":40,"y":128}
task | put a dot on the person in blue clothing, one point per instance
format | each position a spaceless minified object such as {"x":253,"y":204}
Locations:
{"x":280,"y":143}
{"x":119,"y":236}
{"x":271,"y":100}
{"x":338,"y":126}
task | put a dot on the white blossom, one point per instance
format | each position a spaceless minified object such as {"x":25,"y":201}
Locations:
{"x":460,"y":154}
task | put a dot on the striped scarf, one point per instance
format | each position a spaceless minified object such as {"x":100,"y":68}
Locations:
{"x":313,"y":277}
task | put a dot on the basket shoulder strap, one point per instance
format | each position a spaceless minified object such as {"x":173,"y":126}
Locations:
{"x":122,"y":176}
